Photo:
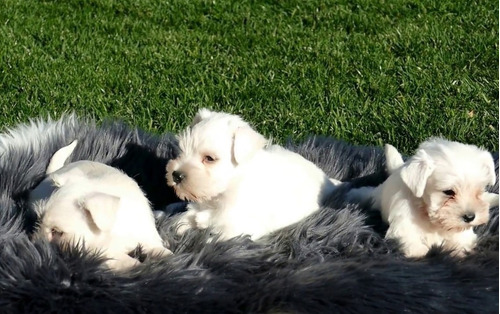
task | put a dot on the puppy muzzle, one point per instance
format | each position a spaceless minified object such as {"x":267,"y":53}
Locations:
{"x":468,"y":217}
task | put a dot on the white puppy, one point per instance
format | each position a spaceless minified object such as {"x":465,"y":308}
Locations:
{"x":437,"y":196}
{"x":96,"y":205}
{"x":237,"y":183}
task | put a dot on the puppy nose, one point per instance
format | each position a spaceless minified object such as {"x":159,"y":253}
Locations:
{"x":178,"y":176}
{"x":468,"y":217}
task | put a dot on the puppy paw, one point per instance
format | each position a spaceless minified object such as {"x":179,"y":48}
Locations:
{"x":202,"y":219}
{"x":461,"y":243}
{"x":415,"y":249}
{"x":159,"y":252}
{"x":186,"y":222}
{"x":416,"y":252}
{"x":182,"y":228}
{"x":121,"y":262}
{"x":460,"y":253}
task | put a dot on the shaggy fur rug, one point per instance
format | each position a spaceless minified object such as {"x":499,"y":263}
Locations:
{"x":334,"y":261}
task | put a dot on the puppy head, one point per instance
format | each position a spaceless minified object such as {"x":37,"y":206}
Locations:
{"x":450,"y":178}
{"x":70,"y":216}
{"x":212,"y":147}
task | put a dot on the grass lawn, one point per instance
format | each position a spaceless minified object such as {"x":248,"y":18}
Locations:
{"x":366,"y":71}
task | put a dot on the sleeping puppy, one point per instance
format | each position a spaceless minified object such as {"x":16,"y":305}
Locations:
{"x":95,"y":205}
{"x":239,"y":184}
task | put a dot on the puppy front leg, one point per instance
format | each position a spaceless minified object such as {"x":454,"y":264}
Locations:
{"x":410,"y":237}
{"x":194,"y":218}
{"x":185,"y":223}
{"x":202,"y":219}
{"x":121,"y":262}
{"x":187,"y":220}
{"x":462,"y":242}
{"x":156,"y":250}
{"x":415,"y":249}
{"x":160,"y":252}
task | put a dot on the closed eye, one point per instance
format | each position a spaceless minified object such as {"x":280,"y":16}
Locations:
{"x":56,"y":234}
{"x":449,"y":192}
{"x":207,"y":159}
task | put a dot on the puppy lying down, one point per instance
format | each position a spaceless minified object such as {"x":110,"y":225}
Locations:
{"x":437,"y":196}
{"x":238,"y":184}
{"x":96,"y":205}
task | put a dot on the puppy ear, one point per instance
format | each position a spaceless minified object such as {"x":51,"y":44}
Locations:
{"x":416,"y":172}
{"x":246,"y":142}
{"x":102,"y":209}
{"x":59,"y":157}
{"x":202,"y":114}
{"x":489,"y":167}
{"x":393,"y":159}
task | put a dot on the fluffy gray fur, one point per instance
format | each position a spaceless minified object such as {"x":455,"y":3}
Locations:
{"x":336,"y":260}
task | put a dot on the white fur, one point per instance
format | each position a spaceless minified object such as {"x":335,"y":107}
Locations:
{"x":59,"y":157}
{"x":393,"y":158}
{"x":251,"y":187}
{"x":97,"y":205}
{"x":413,"y":200}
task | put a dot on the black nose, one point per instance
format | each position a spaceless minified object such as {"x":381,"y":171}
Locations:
{"x":178,"y":176}
{"x":468,"y":217}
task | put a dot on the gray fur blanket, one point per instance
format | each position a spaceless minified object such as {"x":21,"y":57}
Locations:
{"x":334,"y":261}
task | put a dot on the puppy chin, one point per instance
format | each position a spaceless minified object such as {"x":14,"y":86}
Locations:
{"x":187,"y":195}
{"x":182,"y":193}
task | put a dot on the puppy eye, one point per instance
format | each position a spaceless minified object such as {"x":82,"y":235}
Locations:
{"x":56,"y":233}
{"x":449,"y":192}
{"x":208,"y":159}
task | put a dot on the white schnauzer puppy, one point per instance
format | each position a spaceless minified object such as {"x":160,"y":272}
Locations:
{"x":239,"y":184}
{"x":92,"y":204}
{"x":437,"y":196}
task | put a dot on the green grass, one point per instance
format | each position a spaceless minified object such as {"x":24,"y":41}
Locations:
{"x":366,"y":71}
